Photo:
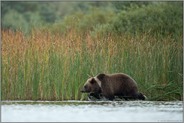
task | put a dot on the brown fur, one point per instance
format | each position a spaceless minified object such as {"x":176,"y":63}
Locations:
{"x":112,"y":85}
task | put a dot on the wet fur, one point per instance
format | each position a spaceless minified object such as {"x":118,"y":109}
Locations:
{"x":111,"y":85}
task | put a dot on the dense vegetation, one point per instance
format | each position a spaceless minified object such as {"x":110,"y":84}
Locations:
{"x":50,"y":49}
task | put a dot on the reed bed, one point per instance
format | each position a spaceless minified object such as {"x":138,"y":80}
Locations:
{"x":54,"y":66}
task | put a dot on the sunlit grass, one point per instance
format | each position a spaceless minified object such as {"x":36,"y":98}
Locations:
{"x":47,"y":66}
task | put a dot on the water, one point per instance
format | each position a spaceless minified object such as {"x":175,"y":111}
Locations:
{"x":89,"y":111}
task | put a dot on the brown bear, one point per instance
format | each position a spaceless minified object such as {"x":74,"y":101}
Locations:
{"x":111,"y":85}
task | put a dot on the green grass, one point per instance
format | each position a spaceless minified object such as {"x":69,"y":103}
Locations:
{"x":47,"y":66}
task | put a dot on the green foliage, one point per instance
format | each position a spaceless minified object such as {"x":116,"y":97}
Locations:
{"x":14,"y":20}
{"x":83,"y":21}
{"x":158,"y":18}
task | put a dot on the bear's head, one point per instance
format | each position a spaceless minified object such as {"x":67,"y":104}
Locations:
{"x":92,"y":85}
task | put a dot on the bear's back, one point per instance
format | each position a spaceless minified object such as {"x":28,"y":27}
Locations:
{"x":119,"y":83}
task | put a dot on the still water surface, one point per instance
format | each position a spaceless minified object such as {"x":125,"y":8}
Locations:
{"x":89,"y":111}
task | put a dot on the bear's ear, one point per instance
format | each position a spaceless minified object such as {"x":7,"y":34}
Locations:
{"x":101,"y":76}
{"x":92,"y":81}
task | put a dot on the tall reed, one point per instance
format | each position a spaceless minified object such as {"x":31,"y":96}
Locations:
{"x":47,"y":66}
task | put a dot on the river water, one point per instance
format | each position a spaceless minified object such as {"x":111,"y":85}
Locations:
{"x":91,"y":111}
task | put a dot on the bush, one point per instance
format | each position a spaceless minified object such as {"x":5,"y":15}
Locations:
{"x":158,"y":18}
{"x":83,"y":21}
{"x":14,"y":20}
{"x":17,"y":21}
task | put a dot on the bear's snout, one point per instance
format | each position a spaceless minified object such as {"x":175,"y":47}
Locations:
{"x":85,"y":89}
